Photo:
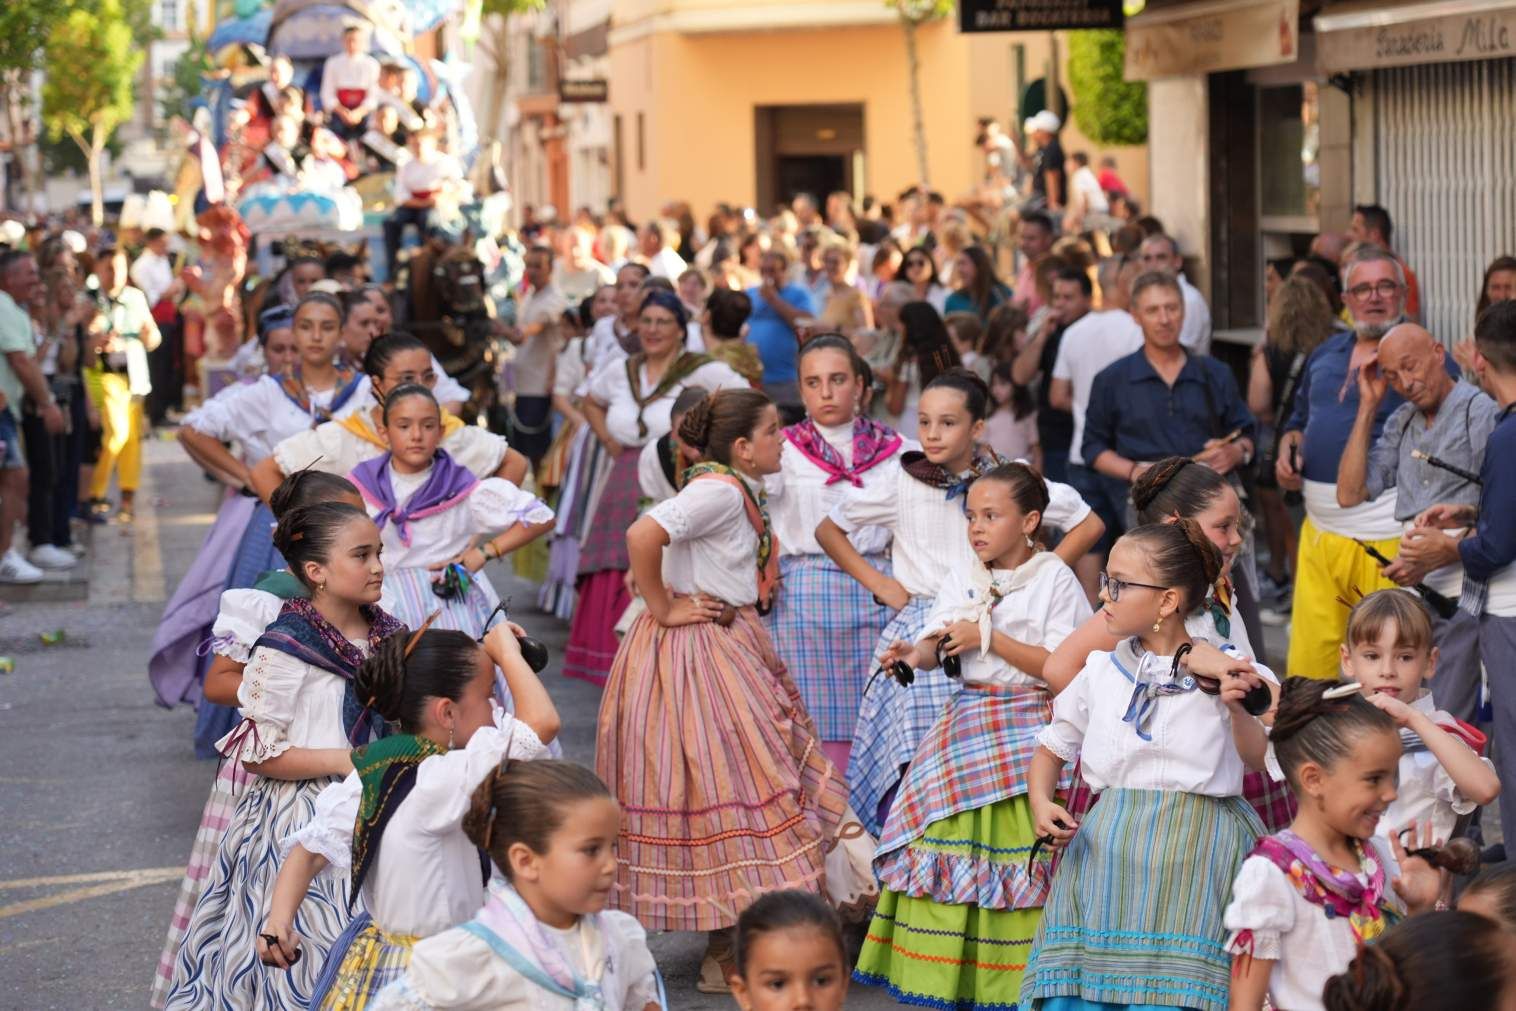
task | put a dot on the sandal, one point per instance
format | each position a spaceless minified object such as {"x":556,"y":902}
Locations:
{"x":718,"y":966}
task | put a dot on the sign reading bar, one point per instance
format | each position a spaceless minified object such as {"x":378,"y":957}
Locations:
{"x":1199,"y":38}
{"x":1389,"y":37}
{"x":1037,"y":15}
{"x":594,"y":89}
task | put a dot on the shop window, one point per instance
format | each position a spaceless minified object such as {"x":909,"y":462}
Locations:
{"x":1289,"y":173}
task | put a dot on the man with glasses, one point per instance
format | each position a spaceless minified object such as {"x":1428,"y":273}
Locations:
{"x":1332,"y":570}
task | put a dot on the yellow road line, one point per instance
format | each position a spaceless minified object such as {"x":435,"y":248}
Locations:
{"x":107,"y":883}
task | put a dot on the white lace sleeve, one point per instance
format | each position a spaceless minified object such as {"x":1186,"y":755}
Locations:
{"x":704,"y":506}
{"x":477,"y":449}
{"x":1262,"y":904}
{"x":496,"y":504}
{"x":270,"y":691}
{"x":1064,"y":736}
{"x":329,"y":833}
{"x":243,"y":616}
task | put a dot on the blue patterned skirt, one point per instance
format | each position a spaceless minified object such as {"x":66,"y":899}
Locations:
{"x":825,"y":626}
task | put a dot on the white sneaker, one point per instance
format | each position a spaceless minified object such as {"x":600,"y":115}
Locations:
{"x":15,"y":569}
{"x":50,"y":556}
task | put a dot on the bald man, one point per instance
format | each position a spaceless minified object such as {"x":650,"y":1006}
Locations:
{"x":1330,"y":246}
{"x":1443,"y":417}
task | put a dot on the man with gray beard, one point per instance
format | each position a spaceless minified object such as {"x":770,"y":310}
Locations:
{"x":1331,"y":569}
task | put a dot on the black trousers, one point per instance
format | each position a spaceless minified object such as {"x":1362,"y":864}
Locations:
{"x":53,"y":462}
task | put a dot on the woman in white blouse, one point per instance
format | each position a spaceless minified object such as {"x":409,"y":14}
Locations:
{"x":824,"y":622}
{"x":627,"y":406}
{"x":300,"y":718}
{"x":430,"y":510}
{"x":949,"y":887}
{"x":238,"y":548}
{"x":1167,"y":746}
{"x":702,"y":734}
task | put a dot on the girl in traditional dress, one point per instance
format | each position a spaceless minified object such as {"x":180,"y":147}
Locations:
{"x":429,"y":511}
{"x":1171,"y":489}
{"x":703,"y":737}
{"x":960,"y":901}
{"x":1309,"y":897}
{"x":238,"y":548}
{"x":920,"y":502}
{"x":338,"y":446}
{"x":825,"y":623}
{"x":394,"y":825}
{"x":544,"y":940}
{"x":1134,"y":915}
{"x":628,"y":405}
{"x":244,"y":615}
{"x":300,"y":719}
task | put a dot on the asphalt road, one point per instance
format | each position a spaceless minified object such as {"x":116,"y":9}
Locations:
{"x":100,"y":792}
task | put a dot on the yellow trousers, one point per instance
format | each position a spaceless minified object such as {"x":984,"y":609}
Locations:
{"x":120,"y":432}
{"x":1331,"y":574}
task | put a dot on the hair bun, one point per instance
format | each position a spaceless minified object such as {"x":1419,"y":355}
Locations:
{"x":380,"y":680}
{"x":695,"y":428}
{"x":1155,"y":479}
{"x":1210,"y":558}
{"x":1371,"y":983}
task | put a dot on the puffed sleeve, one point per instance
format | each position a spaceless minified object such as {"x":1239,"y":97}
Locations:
{"x":270,"y":691}
{"x":446,"y":782}
{"x":477,"y":449}
{"x":220,"y":416}
{"x":1067,"y":610}
{"x":456,"y":971}
{"x":1064,"y":736}
{"x":1066,"y":509}
{"x":632,"y":954}
{"x":717,"y":376}
{"x":1261,"y":912}
{"x":329,"y":833}
{"x":1446,"y":791}
{"x":243,"y":616}
{"x":876,"y":504}
{"x":302,"y":450}
{"x":702,"y":507}
{"x":608,"y":378}
{"x":569,"y":375}
{"x":448,"y":390}
{"x":496,"y":504}
{"x":948,"y":606}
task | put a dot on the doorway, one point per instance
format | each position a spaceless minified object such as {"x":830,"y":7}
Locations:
{"x":815,"y":149}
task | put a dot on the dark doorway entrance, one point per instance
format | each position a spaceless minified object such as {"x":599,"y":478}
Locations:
{"x":812,"y":149}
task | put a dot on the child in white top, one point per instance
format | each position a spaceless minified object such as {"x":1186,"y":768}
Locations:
{"x":1167,"y":746}
{"x":394,"y":824}
{"x":1388,"y":649}
{"x":1307,"y":898}
{"x":544,"y":940}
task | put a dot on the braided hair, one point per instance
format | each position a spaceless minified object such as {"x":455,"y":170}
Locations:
{"x":1175,"y":486}
{"x":1181,"y":556}
{"x":397,"y":684}
{"x":1442,"y":961}
{"x":307,"y":487}
{"x":306,"y":534}
{"x":1309,"y":727}
{"x":714,"y":424}
{"x":526,"y":802}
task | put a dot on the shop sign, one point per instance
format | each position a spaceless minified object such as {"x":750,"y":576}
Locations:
{"x":1201,"y":38}
{"x":594,"y":89}
{"x":1395,"y":37}
{"x":1037,"y":15}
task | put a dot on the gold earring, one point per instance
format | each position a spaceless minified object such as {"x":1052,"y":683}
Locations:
{"x":321,"y":586}
{"x":1158,"y":625}
{"x":450,"y":738}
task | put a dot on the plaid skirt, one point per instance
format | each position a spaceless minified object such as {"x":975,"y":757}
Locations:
{"x":725,"y":793}
{"x":1135,"y":911}
{"x":892,"y":719}
{"x":362,"y":962}
{"x":976,"y":755}
{"x":824,"y":625}
{"x":603,"y":546}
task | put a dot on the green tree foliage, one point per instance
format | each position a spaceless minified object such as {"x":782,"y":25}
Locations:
{"x":914,"y":14}
{"x":1108,"y":108}
{"x":187,"y":82}
{"x":92,"y":61}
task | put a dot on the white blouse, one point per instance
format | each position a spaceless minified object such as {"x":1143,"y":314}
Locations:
{"x":243,"y":616}
{"x":447,"y":390}
{"x":494,"y":505}
{"x":1042,"y":603}
{"x":609,"y":387}
{"x":651,"y":480}
{"x":257,"y":415}
{"x":1306,"y":947}
{"x":713,"y":547}
{"x":929,"y":529}
{"x":426,"y":874}
{"x":1427,"y":792}
{"x":800,"y":498}
{"x":571,"y":371}
{"x":458,"y":971}
{"x":291,"y":704}
{"x":335,"y":450}
{"x":1190,"y":747}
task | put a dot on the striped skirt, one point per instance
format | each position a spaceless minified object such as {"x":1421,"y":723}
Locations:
{"x":725,"y":793}
{"x":1135,"y":912}
{"x":892,"y":719}
{"x":363,"y":961}
{"x":231,"y":780}
{"x":1271,"y":799}
{"x":217,"y":965}
{"x":408,"y":596}
{"x":825,"y":625}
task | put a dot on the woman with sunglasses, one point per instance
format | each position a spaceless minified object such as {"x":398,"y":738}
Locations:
{"x":919,"y":270}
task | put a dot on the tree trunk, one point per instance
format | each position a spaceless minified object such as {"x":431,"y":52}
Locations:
{"x":918,"y":120}
{"x":11,"y":90}
{"x":93,"y":148}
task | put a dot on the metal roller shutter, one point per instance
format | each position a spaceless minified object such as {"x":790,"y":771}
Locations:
{"x":1446,"y":170}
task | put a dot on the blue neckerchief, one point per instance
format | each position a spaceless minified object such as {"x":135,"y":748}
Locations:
{"x":1145,"y":691}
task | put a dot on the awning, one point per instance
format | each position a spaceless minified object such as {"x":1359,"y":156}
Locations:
{"x":1360,"y":36}
{"x":1198,"y":38}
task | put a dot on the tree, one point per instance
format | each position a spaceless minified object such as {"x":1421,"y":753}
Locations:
{"x":188,"y":80}
{"x":914,"y":14}
{"x":496,"y":43}
{"x":91,"y":63}
{"x":24,"y":27}
{"x":1108,"y":108}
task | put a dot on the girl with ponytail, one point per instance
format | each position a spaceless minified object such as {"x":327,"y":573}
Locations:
{"x":394,"y":825}
{"x":1309,"y":897}
{"x":702,"y":733}
{"x":1444,"y":961}
{"x":1167,"y":746}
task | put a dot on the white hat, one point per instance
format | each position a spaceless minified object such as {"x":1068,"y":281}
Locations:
{"x":73,"y":240}
{"x":1046,"y":121}
{"x":12,"y":232}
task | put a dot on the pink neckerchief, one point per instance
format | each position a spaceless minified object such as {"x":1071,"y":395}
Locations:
{"x":872,"y":443}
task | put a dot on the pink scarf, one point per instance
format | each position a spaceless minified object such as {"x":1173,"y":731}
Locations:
{"x":872,"y":443}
